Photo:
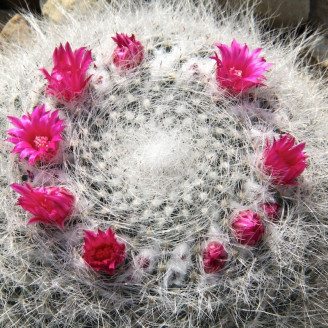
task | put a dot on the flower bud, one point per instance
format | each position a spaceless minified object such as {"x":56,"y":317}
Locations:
{"x":129,"y":53}
{"x":248,"y":228}
{"x":214,"y":257}
{"x":272,"y":211}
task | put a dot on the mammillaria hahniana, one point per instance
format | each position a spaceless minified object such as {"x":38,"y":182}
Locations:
{"x":164,"y":156}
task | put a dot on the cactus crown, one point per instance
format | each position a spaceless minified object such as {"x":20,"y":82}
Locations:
{"x":167,"y":159}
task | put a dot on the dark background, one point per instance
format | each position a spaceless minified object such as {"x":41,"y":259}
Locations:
{"x":9,"y":7}
{"x":33,"y":5}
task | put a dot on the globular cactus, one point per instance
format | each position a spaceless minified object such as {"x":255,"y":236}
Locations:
{"x":161,"y":151}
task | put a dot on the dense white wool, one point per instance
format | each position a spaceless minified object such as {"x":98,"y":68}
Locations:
{"x":166,"y":159}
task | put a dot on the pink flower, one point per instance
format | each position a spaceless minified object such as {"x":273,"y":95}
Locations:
{"x":237,"y":70}
{"x":284,"y":161}
{"x":214,"y":257}
{"x":68,"y":77}
{"x":49,"y":205}
{"x":102,"y":251}
{"x":36,"y":135}
{"x":272,"y":211}
{"x":248,"y":228}
{"x":129,"y":53}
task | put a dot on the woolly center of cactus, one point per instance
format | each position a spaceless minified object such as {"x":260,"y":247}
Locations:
{"x":161,"y":151}
{"x":155,"y":161}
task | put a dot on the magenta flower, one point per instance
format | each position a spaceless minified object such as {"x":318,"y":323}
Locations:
{"x":214,"y":257}
{"x":237,"y":70}
{"x":284,"y":161}
{"x":248,"y":228}
{"x":129,"y":53}
{"x":272,"y":211}
{"x":102,"y":251}
{"x":36,"y":135}
{"x":68,"y":77}
{"x":49,"y":205}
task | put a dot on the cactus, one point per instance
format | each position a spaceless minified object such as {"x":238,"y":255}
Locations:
{"x":167,"y":159}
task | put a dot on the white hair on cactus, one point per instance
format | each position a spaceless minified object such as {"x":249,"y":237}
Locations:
{"x":163,"y":157}
{"x":177,"y":266}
